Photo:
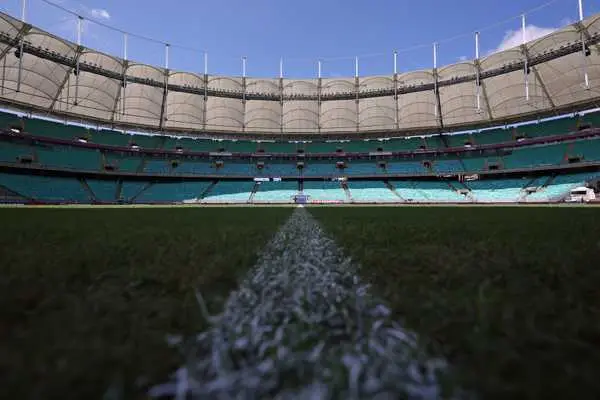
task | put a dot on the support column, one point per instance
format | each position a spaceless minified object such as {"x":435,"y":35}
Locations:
{"x":121,"y":94}
{"x":584,"y":53}
{"x":525,"y":61}
{"x":244,"y":93}
{"x":319,"y":94}
{"x":281,"y":103}
{"x":205,"y":105}
{"x":357,"y":93}
{"x":79,"y":50}
{"x":4,"y":53}
{"x":477,"y":77}
{"x":397,"y":115}
{"x":436,"y":92}
{"x":23,"y":10}
{"x":163,"y":108}
{"x":281,"y":95}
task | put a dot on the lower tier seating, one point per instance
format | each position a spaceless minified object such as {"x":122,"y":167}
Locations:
{"x":73,"y":190}
{"x":324,"y":191}
{"x":276,"y":192}
{"x":371,"y":192}
{"x":230,"y":192}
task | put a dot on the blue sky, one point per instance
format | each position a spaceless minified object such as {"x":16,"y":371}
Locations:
{"x":301,"y":32}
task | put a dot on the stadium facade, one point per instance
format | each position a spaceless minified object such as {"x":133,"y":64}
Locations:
{"x":382,"y":139}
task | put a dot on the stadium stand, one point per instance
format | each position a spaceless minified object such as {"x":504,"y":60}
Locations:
{"x":103,"y":190}
{"x":43,"y":188}
{"x":230,"y":192}
{"x":505,"y":190}
{"x":324,"y":191}
{"x":168,"y":192}
{"x":371,"y":192}
{"x":275,"y":192}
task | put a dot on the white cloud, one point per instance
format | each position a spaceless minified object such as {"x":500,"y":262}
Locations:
{"x":462,"y":58}
{"x":100,"y":13}
{"x":515,"y":38}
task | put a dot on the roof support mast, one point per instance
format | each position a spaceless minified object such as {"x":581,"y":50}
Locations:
{"x":436,"y":91}
{"x":281,"y":96}
{"x":124,"y":73}
{"x":526,"y":61}
{"x":397,"y":116}
{"x":357,"y":91}
{"x":244,"y":92}
{"x":586,"y":79}
{"x":320,"y":91}
{"x":23,"y":11}
{"x":477,"y":77}
{"x":205,"y":105}
{"x":79,"y":49}
{"x":163,"y":108}
{"x":435,"y":88}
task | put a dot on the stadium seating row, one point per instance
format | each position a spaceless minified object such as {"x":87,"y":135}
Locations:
{"x":81,"y":159}
{"x":80,"y":190}
{"x":47,"y":128}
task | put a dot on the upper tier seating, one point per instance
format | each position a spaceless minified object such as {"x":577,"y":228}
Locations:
{"x":116,"y":138}
{"x":123,"y":163}
{"x":69,"y":158}
{"x":10,"y":152}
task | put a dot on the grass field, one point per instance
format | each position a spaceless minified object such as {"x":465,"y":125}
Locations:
{"x":87,"y":297}
{"x":509,"y":295}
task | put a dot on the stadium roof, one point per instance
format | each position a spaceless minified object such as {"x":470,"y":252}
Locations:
{"x":57,"y":77}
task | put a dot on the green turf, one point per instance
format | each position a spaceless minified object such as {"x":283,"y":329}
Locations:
{"x":88,"y":296}
{"x":509,"y":295}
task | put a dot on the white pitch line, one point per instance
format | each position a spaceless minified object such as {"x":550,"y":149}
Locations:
{"x":301,"y":325}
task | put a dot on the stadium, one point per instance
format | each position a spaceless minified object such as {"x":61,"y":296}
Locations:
{"x":137,"y":200}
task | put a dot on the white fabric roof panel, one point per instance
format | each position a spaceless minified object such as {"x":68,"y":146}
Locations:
{"x":459,"y":101}
{"x":301,"y":116}
{"x":40,"y":80}
{"x":331,"y":86}
{"x":378,"y":113}
{"x":142,"y":105}
{"x":50,"y":86}
{"x":224,"y":114}
{"x":506,"y":95}
{"x":305,"y":87}
{"x":338,"y":115}
{"x":225,"y":83}
{"x":263,"y":86}
{"x":376,"y":83}
{"x":263,"y":115}
{"x":91,"y":95}
{"x":459,"y":104}
{"x":417,"y":110}
{"x":184,"y":110}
